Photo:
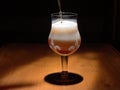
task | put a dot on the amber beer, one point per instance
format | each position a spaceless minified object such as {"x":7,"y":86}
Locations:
{"x":64,"y":37}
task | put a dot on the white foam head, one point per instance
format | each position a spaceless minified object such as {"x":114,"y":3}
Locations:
{"x":65,"y":30}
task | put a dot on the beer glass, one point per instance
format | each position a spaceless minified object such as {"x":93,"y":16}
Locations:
{"x":64,"y":39}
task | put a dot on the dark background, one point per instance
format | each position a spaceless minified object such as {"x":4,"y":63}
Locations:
{"x":29,"y":21}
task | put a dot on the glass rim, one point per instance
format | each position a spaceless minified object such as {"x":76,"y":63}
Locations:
{"x":64,"y":14}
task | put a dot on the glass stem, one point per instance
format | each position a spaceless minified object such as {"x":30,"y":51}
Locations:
{"x":64,"y":61}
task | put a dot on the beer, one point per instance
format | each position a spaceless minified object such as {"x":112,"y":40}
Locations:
{"x":60,"y":11}
{"x":64,"y":38}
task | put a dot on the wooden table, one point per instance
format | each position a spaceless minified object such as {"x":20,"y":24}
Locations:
{"x":23,"y":66}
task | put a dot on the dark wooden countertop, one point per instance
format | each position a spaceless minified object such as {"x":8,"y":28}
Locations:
{"x":24,"y":66}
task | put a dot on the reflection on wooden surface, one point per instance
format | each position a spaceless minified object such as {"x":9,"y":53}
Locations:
{"x":24,"y":66}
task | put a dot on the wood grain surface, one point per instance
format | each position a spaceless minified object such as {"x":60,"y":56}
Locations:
{"x":23,"y":66}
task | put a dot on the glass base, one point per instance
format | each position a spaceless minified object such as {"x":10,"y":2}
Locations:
{"x":55,"y":78}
